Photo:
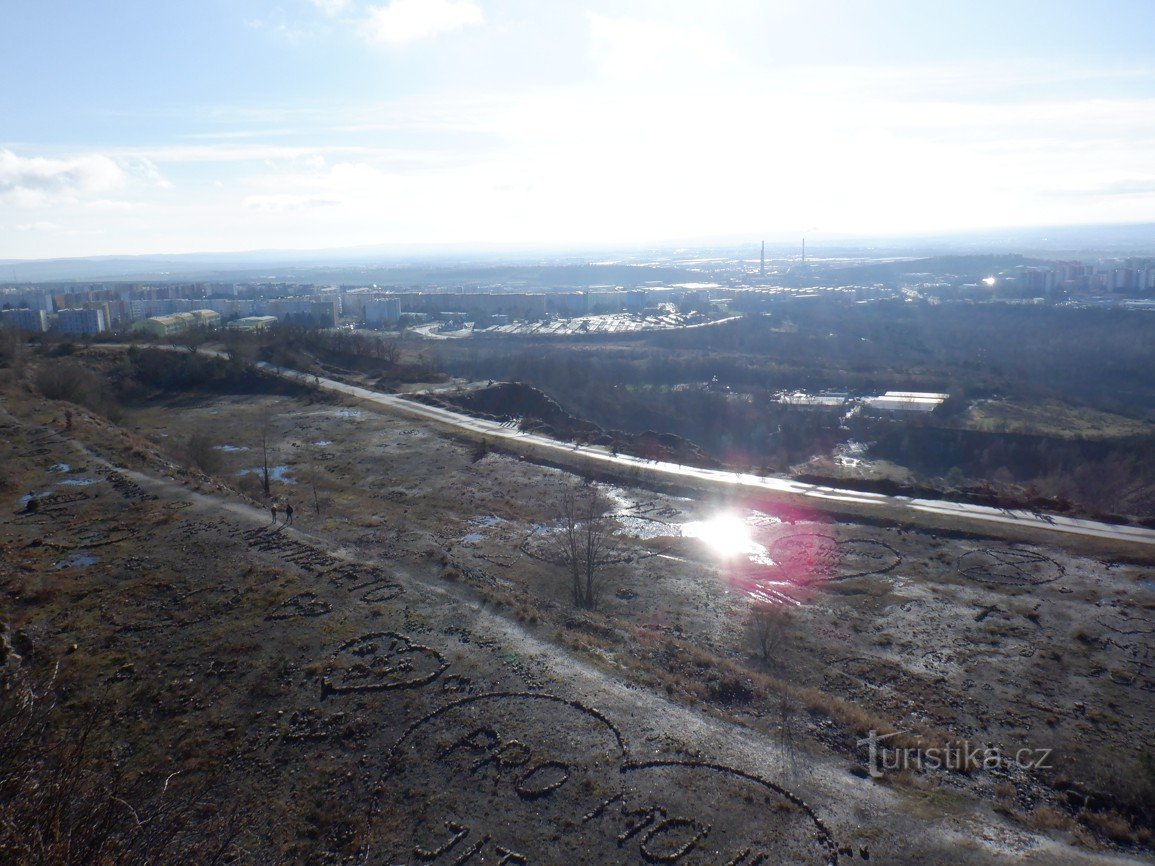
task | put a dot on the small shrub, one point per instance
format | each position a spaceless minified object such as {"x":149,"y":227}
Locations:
{"x":1046,"y":818}
{"x":64,"y":800}
{"x":1110,"y":824}
{"x":202,"y":454}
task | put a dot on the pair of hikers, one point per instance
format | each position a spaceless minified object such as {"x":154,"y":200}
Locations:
{"x":288,"y":513}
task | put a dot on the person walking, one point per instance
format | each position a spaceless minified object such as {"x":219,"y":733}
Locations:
{"x":273,"y":509}
{"x":288,"y":514}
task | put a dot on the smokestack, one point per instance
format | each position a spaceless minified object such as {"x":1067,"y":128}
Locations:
{"x":804,"y":251}
{"x":762,"y":267}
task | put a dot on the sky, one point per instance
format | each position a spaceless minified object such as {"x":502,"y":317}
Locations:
{"x":166,"y":126}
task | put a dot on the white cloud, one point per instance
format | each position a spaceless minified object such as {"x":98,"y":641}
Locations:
{"x":287,"y":202}
{"x":402,"y":21}
{"x":331,"y":7}
{"x":146,"y":169}
{"x":635,"y":49}
{"x":110,"y":205}
{"x":647,"y":150}
{"x":35,"y":180}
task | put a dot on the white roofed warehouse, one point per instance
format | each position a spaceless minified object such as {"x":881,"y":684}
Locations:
{"x":905,"y":401}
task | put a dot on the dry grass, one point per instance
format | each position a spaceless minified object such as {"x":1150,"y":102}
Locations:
{"x":64,"y":799}
{"x":1111,"y":825}
{"x":1052,"y":418}
{"x":1046,"y":818}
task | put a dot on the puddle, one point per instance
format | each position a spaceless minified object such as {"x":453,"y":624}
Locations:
{"x":276,"y":473}
{"x":728,"y":537}
{"x":348,"y":413}
{"x":620,"y":499}
{"x":79,"y":482}
{"x":625,"y":511}
{"x":644,"y":528}
{"x":231,"y":449}
{"x":1148,"y":585}
{"x":60,"y":467}
{"x":740,"y":543}
{"x":321,"y":443}
{"x":82,"y":561}
{"x":484,"y":521}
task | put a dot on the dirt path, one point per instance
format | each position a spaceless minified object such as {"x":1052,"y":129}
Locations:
{"x":538,"y":752}
{"x":1014,"y":524}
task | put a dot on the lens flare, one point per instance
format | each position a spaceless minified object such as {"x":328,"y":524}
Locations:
{"x":726,"y":535}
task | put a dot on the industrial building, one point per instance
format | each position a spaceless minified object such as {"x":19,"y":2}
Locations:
{"x":905,"y":401}
{"x":803,"y":400}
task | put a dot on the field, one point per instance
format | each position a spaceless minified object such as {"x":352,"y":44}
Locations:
{"x":401,"y":675}
{"x":1051,"y":418}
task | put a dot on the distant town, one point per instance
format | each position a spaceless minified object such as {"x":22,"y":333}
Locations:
{"x":452,"y":303}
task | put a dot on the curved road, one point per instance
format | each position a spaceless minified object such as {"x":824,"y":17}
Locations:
{"x":933,"y":512}
{"x":828,"y":498}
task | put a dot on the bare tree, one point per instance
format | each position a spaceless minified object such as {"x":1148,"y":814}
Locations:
{"x":195,"y":337}
{"x":585,"y":539}
{"x":311,"y":465}
{"x":266,"y":432}
{"x":240,"y":347}
{"x":203,"y":453}
{"x":12,"y":350}
{"x":768,"y":627}
{"x":389,"y":352}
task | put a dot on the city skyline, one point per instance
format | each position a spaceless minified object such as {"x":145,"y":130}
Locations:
{"x":336,"y":123}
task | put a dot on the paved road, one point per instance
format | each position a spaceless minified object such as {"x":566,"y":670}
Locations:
{"x":829,"y":498}
{"x":935,"y":512}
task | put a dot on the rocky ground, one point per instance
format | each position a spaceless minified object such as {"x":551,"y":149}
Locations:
{"x":401,"y":677}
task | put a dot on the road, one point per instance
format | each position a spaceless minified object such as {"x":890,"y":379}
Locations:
{"x":827,"y":498}
{"x":932,"y":512}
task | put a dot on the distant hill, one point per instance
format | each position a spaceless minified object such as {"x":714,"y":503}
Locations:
{"x":329,"y":268}
{"x":542,"y":268}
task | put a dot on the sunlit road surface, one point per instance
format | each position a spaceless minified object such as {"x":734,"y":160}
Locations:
{"x":852,"y":502}
{"x":533,"y":444}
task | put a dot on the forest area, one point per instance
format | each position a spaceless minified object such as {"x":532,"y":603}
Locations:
{"x":1051,"y":406}
{"x":715,"y":387}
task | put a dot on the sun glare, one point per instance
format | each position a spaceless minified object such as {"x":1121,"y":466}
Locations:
{"x":726,"y":535}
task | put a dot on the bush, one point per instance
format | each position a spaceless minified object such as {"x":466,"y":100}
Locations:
{"x":768,"y":629}
{"x":64,"y":802}
{"x":66,"y":380}
{"x":73,"y":382}
{"x":202,"y":453}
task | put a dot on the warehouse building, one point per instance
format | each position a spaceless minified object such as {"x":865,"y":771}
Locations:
{"x":905,"y":401}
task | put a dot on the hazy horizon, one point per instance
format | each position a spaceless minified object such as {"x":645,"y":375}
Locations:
{"x":338,"y":124}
